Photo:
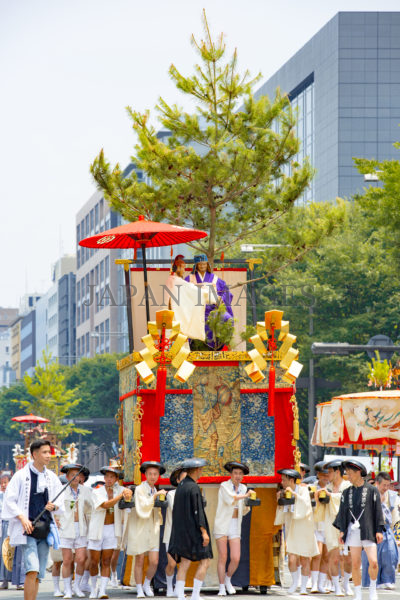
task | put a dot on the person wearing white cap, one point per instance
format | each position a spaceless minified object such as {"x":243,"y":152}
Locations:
{"x":144,"y":527}
{"x":228,"y":523}
{"x":105,"y":528}
{"x":299,"y":528}
{"x":361,"y":524}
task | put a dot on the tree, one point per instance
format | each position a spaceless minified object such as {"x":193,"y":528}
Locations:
{"x":382,"y":202}
{"x":353,"y":290}
{"x":224,"y":168}
{"x":50,"y":398}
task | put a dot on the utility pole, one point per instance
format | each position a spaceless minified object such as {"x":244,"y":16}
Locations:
{"x":311,"y":394}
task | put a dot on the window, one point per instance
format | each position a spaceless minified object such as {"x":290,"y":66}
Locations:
{"x":102,"y":337}
{"x":78,"y":233}
{"x":107,"y":268}
{"x":107,"y":335}
{"x":92,"y":222}
{"x":87,"y":345}
{"x":87,"y":295}
{"x":83,"y":345}
{"x":96,"y":218}
{"x":78,"y":347}
{"x":302,"y":101}
{"x":97,"y":275}
{"x":102,"y":272}
{"x":97,"y":338}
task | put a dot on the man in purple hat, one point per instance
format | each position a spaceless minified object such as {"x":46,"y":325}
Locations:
{"x":218,"y":292}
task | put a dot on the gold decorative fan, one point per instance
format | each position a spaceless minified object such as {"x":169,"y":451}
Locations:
{"x":7,"y":552}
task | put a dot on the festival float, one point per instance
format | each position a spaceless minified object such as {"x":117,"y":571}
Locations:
{"x":217,"y":404}
{"x":366,"y":420}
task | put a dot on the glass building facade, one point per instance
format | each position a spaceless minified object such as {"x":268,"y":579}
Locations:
{"x":345,"y":83}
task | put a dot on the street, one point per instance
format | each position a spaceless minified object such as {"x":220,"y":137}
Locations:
{"x":46,"y":593}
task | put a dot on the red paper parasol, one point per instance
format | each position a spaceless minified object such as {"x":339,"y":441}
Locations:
{"x":142,"y":234}
{"x":30,"y":419}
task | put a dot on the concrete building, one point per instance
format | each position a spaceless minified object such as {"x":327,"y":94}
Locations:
{"x":7,"y":375}
{"x":15,"y":337}
{"x":7,"y":317}
{"x":345,"y":83}
{"x":28,"y":343}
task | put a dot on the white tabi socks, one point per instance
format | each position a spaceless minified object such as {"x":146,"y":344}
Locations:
{"x":146,"y":587}
{"x":346,"y":584}
{"x":103,"y":587}
{"x":77,"y":586}
{"x":180,"y":589}
{"x":114,"y":579}
{"x":228,"y":586}
{"x":170,"y":586}
{"x":357,"y":592}
{"x":303,"y":588}
{"x":372,"y":590}
{"x":337,"y":589}
{"x":295,"y":581}
{"x":67,"y":587}
{"x":93,"y":586}
{"x":314,"y":582}
{"x":298,"y":575}
{"x":196,"y":589}
{"x":222,"y":590}
{"x":56,"y":583}
{"x":84,"y":585}
{"x":321,"y":583}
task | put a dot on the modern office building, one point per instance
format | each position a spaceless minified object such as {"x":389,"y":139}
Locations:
{"x":15,"y":337}
{"x":7,"y":317}
{"x":345,"y":84}
{"x":28,"y":343}
{"x":55,"y":314}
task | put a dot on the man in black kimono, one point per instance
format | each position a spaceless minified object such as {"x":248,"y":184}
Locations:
{"x":360,"y":522}
{"x":190,"y":534}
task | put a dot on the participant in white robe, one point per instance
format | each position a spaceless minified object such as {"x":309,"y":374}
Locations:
{"x":16,"y":501}
{"x":144,"y":527}
{"x":228,"y":523}
{"x":298,"y":521}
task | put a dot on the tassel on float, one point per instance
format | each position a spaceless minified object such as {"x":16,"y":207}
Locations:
{"x":160,"y":390}
{"x":271,"y":392}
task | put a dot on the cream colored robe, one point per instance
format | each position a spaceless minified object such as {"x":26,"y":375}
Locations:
{"x":299,"y":525}
{"x":326,"y":514}
{"x":144,"y":522}
{"x":168,"y":517}
{"x":226,"y":506}
{"x":98,"y":516}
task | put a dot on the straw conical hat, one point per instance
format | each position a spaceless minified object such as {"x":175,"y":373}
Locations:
{"x":7,"y":552}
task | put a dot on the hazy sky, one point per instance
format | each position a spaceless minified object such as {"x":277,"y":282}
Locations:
{"x":68,"y":69}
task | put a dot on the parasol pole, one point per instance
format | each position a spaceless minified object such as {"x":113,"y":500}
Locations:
{"x":129,"y":306}
{"x":95,"y":453}
{"x":146,"y":291}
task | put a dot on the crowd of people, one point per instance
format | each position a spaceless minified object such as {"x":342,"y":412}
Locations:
{"x":84,"y":529}
{"x":339,"y":522}
{"x":332,"y":526}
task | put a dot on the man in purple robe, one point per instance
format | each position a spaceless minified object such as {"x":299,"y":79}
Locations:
{"x":202,"y":275}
